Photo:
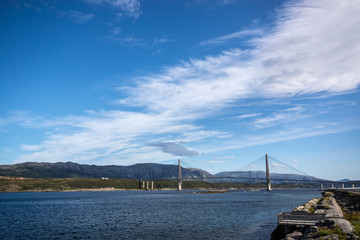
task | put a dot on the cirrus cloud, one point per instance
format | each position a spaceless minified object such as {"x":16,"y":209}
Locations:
{"x":306,"y":53}
{"x":129,"y":8}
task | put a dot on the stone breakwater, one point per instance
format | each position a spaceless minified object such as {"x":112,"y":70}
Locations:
{"x":335,"y":226}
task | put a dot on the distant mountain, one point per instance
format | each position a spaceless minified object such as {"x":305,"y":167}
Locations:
{"x":144,"y":171}
{"x":345,"y":180}
{"x":285,"y":177}
{"x":140,"y":171}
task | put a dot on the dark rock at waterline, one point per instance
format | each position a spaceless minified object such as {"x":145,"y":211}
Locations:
{"x":348,"y":201}
{"x":326,"y":223}
{"x":281,"y":231}
{"x":311,"y":232}
{"x":334,"y":228}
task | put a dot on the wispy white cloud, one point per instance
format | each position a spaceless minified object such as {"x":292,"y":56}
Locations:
{"x":23,"y":118}
{"x":295,"y":162}
{"x":209,"y":4}
{"x":248,"y":115}
{"x":129,"y":8}
{"x":303,"y":55}
{"x":232,"y":37}
{"x":120,"y":136}
{"x":278,"y":166}
{"x":164,"y":39}
{"x":38,"y":6}
{"x":298,"y":58}
{"x":128,"y":40}
{"x":132,"y":40}
{"x":223,"y":157}
{"x":79,"y":17}
{"x":196,"y":135}
{"x":30,"y":147}
{"x":280,"y":135}
{"x":44,"y":6}
{"x":224,"y":2}
{"x":284,"y":116}
{"x":5,"y":149}
{"x":213,"y":162}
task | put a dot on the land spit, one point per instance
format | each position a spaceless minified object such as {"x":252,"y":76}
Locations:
{"x":211,"y":191}
{"x":334,"y":225}
{"x":21,"y":184}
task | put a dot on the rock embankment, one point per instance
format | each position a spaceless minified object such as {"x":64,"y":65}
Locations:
{"x":349,"y":201}
{"x":335,"y":226}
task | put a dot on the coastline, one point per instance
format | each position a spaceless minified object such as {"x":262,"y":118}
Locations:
{"x":87,"y":190}
{"x":341,"y":211}
{"x":199,"y":190}
{"x":22,"y":184}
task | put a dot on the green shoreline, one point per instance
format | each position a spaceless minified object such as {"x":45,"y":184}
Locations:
{"x":19,"y":184}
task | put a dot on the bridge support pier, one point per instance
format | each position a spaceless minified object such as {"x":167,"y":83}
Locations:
{"x":179,"y":177}
{"x":268,"y":181}
{"x":353,"y":186}
{"x":343,"y":186}
{"x":152,"y":185}
{"x":332,"y":185}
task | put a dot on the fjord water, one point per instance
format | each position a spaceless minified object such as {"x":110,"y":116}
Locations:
{"x":145,"y":214}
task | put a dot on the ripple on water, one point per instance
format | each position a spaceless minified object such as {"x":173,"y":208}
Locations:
{"x":145,"y":214}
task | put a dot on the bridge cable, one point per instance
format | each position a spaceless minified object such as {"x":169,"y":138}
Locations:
{"x":289,"y":166}
{"x":250,"y":164}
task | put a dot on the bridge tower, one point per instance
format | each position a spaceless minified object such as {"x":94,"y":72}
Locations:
{"x":179,"y":176}
{"x":268,"y":181}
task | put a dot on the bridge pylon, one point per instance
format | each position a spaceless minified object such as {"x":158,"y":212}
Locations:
{"x":179,"y":176}
{"x":268,"y":181}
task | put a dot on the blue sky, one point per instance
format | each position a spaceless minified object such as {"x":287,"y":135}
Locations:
{"x":217,"y":83}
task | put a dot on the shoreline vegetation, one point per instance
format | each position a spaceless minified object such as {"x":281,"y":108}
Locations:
{"x":342,"y":218}
{"x":21,"y":184}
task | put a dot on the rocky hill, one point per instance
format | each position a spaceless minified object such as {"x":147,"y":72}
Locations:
{"x":139,"y":171}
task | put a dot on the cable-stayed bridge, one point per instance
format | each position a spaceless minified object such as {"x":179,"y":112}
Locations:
{"x":247,"y":173}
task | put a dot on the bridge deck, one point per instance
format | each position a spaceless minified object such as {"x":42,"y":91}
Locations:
{"x":299,"y":218}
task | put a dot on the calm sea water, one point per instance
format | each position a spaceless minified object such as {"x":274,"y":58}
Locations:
{"x":145,"y":214}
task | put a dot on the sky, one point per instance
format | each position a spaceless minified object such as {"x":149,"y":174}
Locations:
{"x":216,"y":83}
